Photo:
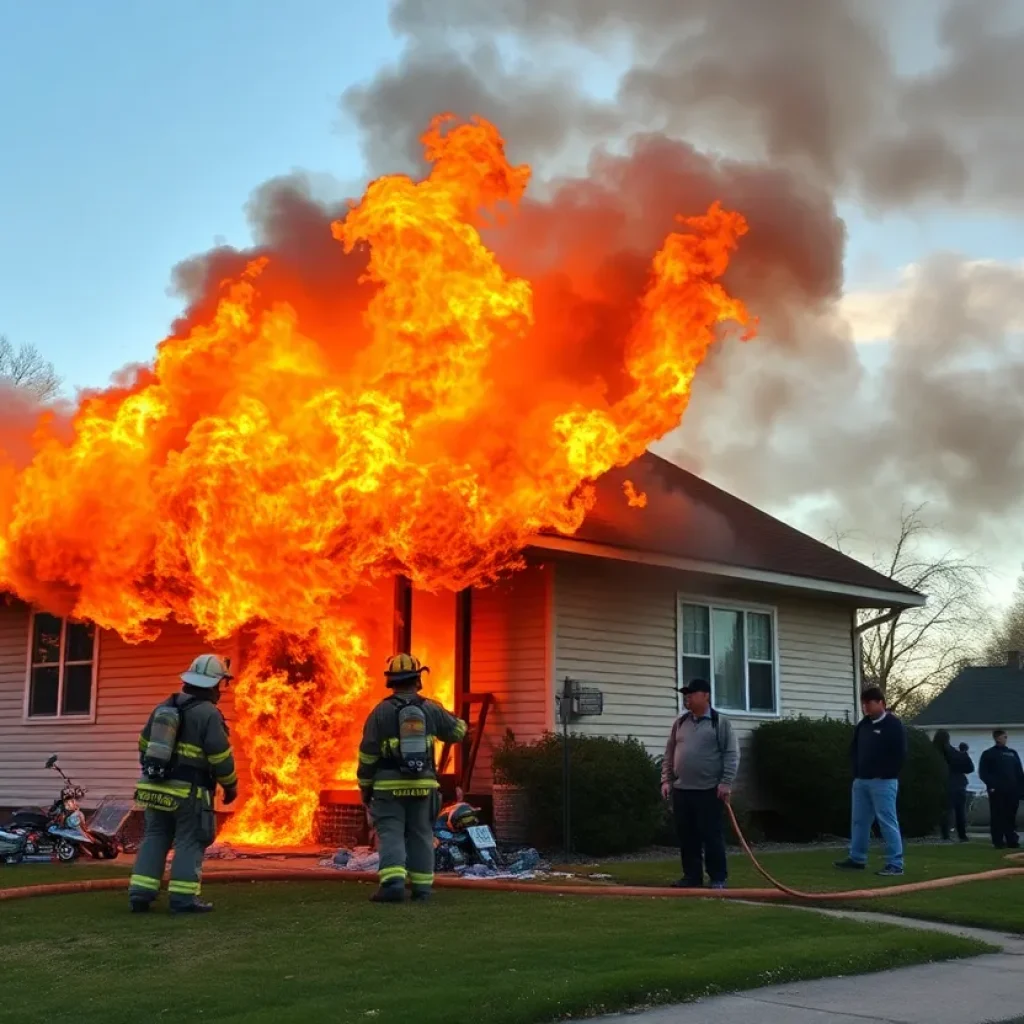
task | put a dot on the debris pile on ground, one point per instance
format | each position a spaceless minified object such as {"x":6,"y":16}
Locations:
{"x":223,"y":851}
{"x":522,"y":865}
{"x":362,"y":858}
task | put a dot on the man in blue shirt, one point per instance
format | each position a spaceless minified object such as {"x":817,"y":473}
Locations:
{"x":877,"y":755}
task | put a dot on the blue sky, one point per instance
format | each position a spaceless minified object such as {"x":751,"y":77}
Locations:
{"x":136,"y":133}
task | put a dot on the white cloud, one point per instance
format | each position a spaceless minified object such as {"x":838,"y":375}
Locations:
{"x":994,"y":292}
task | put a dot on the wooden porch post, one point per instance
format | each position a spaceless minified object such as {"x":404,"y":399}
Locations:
{"x":403,"y":616}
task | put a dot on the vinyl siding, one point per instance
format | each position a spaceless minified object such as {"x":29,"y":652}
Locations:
{"x":101,"y":756}
{"x":615,"y":627}
{"x":511,"y":659}
{"x":609,"y":624}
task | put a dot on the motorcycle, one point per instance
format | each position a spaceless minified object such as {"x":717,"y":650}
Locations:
{"x":460,"y":841}
{"x":57,"y":834}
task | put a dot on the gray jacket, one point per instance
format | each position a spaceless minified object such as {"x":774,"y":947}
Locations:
{"x":700,"y":756}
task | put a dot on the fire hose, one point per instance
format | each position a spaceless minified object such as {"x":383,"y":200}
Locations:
{"x":779,"y":891}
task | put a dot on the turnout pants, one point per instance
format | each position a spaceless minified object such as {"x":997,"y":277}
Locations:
{"x":189,"y":830}
{"x":698,"y":814}
{"x":405,"y":833}
{"x":1002,"y":809}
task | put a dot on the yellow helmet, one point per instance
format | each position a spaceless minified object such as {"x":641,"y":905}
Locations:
{"x":403,"y":667}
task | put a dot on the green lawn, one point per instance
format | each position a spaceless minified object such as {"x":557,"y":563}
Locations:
{"x":295,"y":952}
{"x":812,"y":869}
{"x":13,"y":876}
{"x":982,"y":904}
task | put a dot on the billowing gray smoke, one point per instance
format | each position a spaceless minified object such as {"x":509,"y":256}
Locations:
{"x":811,"y":103}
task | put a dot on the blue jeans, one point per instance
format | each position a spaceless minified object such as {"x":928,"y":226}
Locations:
{"x":875,"y":799}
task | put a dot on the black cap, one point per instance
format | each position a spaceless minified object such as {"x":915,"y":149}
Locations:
{"x":696,"y":686}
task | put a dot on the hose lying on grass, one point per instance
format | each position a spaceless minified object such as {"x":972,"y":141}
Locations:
{"x":777,"y":892}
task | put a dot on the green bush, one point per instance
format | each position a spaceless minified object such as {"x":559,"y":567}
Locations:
{"x":614,"y":791}
{"x":923,"y":786}
{"x":803,"y":774}
{"x":802,"y":768}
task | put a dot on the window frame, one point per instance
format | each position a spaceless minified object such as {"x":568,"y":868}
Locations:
{"x":746,"y":607}
{"x":59,"y":718}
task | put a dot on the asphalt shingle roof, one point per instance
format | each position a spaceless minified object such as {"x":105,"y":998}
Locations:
{"x":687,"y":517}
{"x":979,"y":695}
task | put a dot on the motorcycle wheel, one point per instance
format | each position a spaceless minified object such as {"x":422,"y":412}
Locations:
{"x":66,"y":851}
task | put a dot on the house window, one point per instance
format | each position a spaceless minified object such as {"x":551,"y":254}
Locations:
{"x":734,"y":650}
{"x":62,"y":668}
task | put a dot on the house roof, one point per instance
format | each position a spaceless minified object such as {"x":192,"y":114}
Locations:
{"x":694,"y":525}
{"x":980,"y":695}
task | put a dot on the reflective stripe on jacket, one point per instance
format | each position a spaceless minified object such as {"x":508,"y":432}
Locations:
{"x":202,"y":754}
{"x":378,"y":750}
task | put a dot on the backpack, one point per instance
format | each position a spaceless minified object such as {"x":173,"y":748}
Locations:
{"x":415,"y":756}
{"x":714,"y":725}
{"x":168,"y":718}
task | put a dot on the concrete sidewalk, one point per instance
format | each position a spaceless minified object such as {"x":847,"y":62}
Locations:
{"x":981,"y":990}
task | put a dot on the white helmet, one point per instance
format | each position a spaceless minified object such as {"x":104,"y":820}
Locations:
{"x":207,"y":671}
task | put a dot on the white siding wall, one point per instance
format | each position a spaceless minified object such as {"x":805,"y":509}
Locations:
{"x":615,"y":626}
{"x":608,"y":623}
{"x":511,"y":659}
{"x":102,"y":756}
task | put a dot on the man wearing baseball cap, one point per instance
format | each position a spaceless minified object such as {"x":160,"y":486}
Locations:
{"x":702,"y":758}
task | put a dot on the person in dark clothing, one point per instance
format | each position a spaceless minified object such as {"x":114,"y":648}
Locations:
{"x":877,"y":755}
{"x":1001,"y":772}
{"x":958,"y":766}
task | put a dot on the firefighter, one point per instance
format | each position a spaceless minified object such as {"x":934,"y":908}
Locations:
{"x":398,"y":779}
{"x":181,"y":770}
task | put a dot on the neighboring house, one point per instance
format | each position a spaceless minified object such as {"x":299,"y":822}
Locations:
{"x":696,"y":583}
{"x":979,"y":699}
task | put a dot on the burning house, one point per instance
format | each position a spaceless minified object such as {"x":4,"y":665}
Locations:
{"x":640,"y":599}
{"x":413,"y":443}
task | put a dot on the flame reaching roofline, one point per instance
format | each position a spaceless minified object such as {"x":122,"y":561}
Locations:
{"x":273,"y":467}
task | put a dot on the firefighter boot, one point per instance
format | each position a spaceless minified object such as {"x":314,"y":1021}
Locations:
{"x":197,"y":906}
{"x":390,"y":892}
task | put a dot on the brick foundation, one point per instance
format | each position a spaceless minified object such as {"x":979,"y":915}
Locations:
{"x":341,"y":819}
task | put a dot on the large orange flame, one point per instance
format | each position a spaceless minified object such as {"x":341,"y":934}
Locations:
{"x":267,"y":480}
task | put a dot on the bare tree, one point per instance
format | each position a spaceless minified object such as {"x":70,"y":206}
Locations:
{"x":912,"y":654}
{"x":1008,"y":634}
{"x":27,"y":370}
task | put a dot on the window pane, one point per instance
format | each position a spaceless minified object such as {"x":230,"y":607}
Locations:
{"x":77,"y":697}
{"x":696,"y":668}
{"x":81,"y":636}
{"x":730,"y":660}
{"x":759,"y":641}
{"x":762,"y":690}
{"x":696,"y":633}
{"x":46,"y":640}
{"x":42,"y":698}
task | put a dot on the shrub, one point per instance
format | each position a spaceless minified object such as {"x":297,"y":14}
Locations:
{"x":614,"y":799}
{"x":749,"y":819}
{"x":923,"y":786}
{"x":803,"y":774}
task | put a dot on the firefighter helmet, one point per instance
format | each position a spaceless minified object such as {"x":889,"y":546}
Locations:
{"x":207,"y":671}
{"x":402,"y":668}
{"x":460,"y":816}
